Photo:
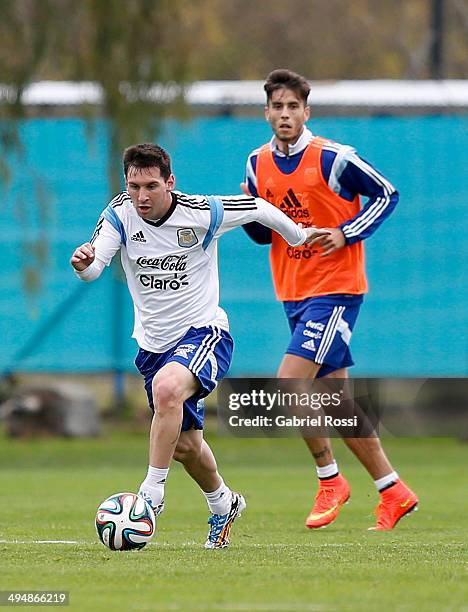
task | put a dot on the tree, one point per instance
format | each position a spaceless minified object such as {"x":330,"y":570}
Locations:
{"x":126,"y":48}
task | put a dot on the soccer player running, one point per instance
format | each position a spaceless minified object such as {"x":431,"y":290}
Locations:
{"x":168,"y":248}
{"x":317,"y":181}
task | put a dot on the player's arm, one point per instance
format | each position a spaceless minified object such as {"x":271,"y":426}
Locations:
{"x":360,"y":177}
{"x":256,"y":231}
{"x":241,"y":209}
{"x":349,"y":175}
{"x":90,"y":258}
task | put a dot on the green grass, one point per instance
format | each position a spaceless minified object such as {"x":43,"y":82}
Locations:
{"x":49,"y":490}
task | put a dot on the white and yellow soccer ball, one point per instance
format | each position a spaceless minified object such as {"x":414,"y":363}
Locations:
{"x":125,"y":521}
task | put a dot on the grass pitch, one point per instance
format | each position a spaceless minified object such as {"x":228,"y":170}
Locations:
{"x":49,"y":490}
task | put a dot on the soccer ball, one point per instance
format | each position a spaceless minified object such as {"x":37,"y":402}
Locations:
{"x":125,"y":521}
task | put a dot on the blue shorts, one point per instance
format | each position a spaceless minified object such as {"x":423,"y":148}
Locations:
{"x":321,"y":329}
{"x":206,"y":352}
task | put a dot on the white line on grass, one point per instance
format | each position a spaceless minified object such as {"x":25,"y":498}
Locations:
{"x":42,"y":542}
{"x":240,"y":607}
{"x":267,"y":607}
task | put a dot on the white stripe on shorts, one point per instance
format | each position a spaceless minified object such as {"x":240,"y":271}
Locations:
{"x":343,"y":328}
{"x":329,"y":333}
{"x":214,"y":366}
{"x":203,"y":352}
{"x":208,"y":354}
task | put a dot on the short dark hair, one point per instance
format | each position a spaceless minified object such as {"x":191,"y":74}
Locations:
{"x":147,"y":155}
{"x":284,"y":78}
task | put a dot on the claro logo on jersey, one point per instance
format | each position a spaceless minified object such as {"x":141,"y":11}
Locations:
{"x":176,"y":263}
{"x":173,"y":283}
{"x":299,"y":252}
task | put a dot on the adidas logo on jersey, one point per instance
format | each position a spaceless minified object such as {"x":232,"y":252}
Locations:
{"x":292,"y":206}
{"x":138,"y":237}
{"x":310,"y":345}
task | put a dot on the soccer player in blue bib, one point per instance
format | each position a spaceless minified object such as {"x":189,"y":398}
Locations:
{"x":168,"y":248}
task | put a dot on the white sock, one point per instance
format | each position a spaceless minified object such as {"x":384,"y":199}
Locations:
{"x":219,"y":501}
{"x":328,"y":471}
{"x":153,"y":484}
{"x":385,"y":481}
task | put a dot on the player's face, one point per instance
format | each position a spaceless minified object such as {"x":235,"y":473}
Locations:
{"x":286,"y":113}
{"x":149,"y":191}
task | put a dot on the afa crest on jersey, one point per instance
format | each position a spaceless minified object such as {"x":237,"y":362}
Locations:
{"x":186,"y":237}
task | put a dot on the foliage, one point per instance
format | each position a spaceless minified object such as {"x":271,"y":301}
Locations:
{"x":329,"y":39}
{"x":125,"y":48}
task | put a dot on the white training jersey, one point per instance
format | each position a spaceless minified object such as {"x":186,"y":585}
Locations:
{"x":171,"y":264}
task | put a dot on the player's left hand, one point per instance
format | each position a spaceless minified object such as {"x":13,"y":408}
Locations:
{"x":331,"y":242}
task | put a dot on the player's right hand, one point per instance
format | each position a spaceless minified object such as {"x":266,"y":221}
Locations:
{"x":82,"y":257}
{"x":315,"y":233}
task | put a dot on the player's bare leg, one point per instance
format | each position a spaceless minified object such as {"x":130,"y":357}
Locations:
{"x":369,"y":451}
{"x":333,"y":490}
{"x":172,"y":385}
{"x":293,"y":366}
{"x":198,"y":459}
{"x":225,"y":505}
{"x":397,"y":499}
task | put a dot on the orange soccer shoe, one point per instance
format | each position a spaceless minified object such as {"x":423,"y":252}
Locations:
{"x":332,"y":494}
{"x":395,"y":502}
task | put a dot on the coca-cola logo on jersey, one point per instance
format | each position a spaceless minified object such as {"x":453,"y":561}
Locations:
{"x":173,"y":263}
